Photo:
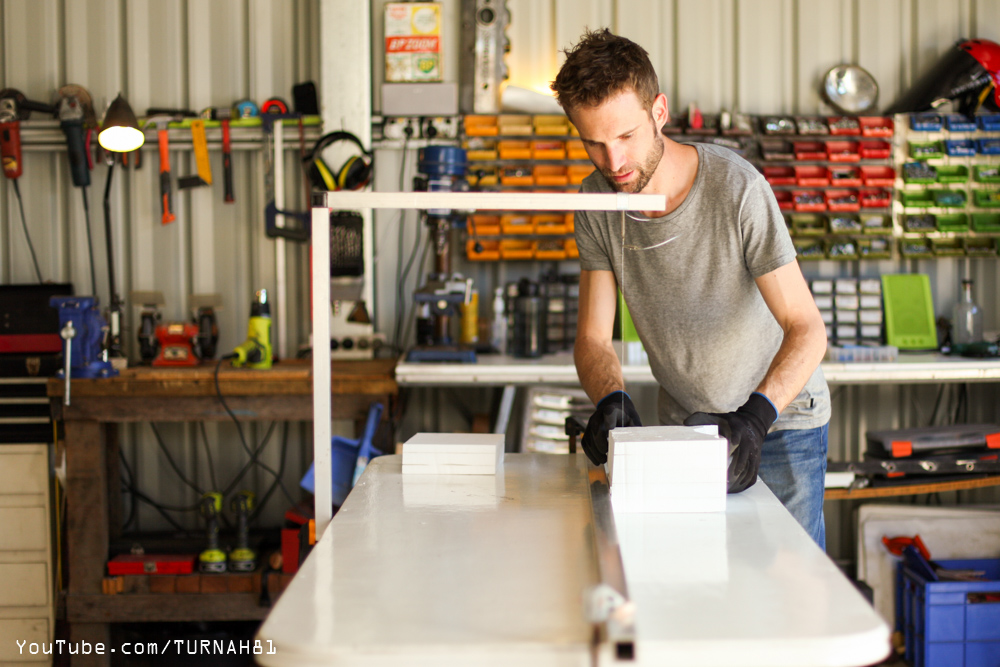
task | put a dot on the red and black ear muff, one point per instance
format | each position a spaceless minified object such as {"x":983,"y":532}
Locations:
{"x":354,"y":174}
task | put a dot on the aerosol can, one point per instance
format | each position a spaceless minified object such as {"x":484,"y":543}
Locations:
{"x":255,"y":351}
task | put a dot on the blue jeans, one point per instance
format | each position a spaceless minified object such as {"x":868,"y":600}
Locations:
{"x":793,"y":465}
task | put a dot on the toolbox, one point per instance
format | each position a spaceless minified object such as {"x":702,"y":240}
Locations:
{"x":951,"y":623}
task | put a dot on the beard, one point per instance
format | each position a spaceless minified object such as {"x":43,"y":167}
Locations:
{"x":644,"y":172}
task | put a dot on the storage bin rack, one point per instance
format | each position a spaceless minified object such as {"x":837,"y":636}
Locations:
{"x":948,"y":185}
{"x":833,"y":179}
{"x":951,"y":623}
{"x":523,"y":153}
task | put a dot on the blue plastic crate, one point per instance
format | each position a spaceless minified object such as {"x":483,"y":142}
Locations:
{"x":959,"y":123}
{"x":989,"y":122}
{"x":944,"y":624}
{"x":988,"y":146}
{"x":925,"y":122}
{"x":960,"y":147}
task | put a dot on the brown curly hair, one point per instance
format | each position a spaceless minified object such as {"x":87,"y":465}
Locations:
{"x":601,"y":65}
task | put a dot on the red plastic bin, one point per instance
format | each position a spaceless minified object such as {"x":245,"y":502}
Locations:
{"x":842,"y":151}
{"x":876,"y":126}
{"x":834,"y":122}
{"x":812,"y":176}
{"x":842,"y":200}
{"x":876,"y":198}
{"x":875,"y":150}
{"x":878,"y":177}
{"x":808,"y":200}
{"x":809,"y":150}
{"x":779,"y":175}
{"x":845,"y":177}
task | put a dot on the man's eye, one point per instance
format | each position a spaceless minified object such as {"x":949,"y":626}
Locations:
{"x":627,"y":136}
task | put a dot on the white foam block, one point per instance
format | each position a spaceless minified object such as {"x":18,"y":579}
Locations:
{"x":661,"y":469}
{"x":455,"y":442}
{"x":453,"y":454}
{"x":448,"y":469}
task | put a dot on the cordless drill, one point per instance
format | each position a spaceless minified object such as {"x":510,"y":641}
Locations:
{"x":255,"y":351}
{"x":242,"y":558}
{"x":212,"y":559}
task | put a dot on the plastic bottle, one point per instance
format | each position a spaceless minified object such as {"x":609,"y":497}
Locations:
{"x":470,"y":320}
{"x":967,"y":318}
{"x":498,"y":332}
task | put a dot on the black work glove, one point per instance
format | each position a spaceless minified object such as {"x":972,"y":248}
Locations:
{"x":745,"y":430}
{"x":612,"y":411}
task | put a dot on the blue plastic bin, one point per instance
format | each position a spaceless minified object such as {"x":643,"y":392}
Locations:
{"x":925,"y":122}
{"x":989,"y":122}
{"x":945,"y":625}
{"x":346,"y":455}
{"x":959,"y":123}
{"x":960,"y":147}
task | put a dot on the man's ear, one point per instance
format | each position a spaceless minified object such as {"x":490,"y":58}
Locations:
{"x":660,"y":112}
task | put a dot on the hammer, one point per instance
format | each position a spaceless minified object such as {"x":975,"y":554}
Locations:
{"x":160,"y":121}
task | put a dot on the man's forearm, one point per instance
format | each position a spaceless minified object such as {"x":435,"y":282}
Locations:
{"x":598,"y":367}
{"x":800,"y":353}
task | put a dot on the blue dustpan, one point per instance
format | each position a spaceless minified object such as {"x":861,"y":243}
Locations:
{"x":349,"y":458}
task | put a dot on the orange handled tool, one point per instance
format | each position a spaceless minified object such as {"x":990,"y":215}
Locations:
{"x":164,"y":143}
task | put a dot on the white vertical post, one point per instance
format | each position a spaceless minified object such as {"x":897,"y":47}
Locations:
{"x":281,"y":296}
{"x":321,"y":368}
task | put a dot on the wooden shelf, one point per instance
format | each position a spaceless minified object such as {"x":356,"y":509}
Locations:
{"x":912,"y":489}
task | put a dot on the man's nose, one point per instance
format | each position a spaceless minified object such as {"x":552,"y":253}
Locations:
{"x":616,"y":158}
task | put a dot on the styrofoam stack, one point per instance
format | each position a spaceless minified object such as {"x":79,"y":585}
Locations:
{"x":453,"y":454}
{"x":667,"y":469}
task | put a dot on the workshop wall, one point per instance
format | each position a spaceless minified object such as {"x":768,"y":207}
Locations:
{"x":178,"y":54}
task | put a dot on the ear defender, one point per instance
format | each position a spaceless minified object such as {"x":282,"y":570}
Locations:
{"x":354,"y":174}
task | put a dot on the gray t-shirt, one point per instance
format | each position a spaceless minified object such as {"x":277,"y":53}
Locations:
{"x":709,"y":335}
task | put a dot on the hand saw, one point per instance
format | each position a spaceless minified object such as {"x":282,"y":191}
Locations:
{"x":204,"y":175}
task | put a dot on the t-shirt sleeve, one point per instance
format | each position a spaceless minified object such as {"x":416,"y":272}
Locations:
{"x":766,"y":243}
{"x":593,"y":253}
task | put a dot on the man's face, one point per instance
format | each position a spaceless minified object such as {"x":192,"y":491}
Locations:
{"x":623,"y":139}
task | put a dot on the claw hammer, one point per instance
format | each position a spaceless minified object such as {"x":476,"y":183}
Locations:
{"x":160,"y":121}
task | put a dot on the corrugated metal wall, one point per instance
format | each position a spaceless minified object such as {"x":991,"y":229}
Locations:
{"x":759,"y":56}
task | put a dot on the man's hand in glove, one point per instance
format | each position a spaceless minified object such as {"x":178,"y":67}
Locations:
{"x":613,"y":410}
{"x":745,"y":430}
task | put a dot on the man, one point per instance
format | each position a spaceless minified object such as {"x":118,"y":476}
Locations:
{"x":732,"y":333}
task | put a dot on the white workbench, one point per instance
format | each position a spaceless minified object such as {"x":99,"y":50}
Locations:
{"x":498,"y":370}
{"x":484,"y":570}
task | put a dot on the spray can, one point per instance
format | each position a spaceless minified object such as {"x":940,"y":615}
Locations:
{"x":469,"y":334}
{"x":498,"y":332}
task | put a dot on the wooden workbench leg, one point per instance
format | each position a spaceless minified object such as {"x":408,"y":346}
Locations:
{"x":86,"y":529}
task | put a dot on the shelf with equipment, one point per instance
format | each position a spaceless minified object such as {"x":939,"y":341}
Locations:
{"x":832,"y":177}
{"x":948,"y":185}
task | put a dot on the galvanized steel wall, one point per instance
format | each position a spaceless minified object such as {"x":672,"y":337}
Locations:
{"x":758,"y":56}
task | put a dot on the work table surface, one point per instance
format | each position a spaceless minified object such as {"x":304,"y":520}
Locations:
{"x":558,"y":368}
{"x":283,"y":391}
{"x":484,"y":570}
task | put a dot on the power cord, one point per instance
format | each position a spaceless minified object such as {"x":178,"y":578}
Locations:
{"x":173,"y":464}
{"x":24,"y":224}
{"x":239,"y":430}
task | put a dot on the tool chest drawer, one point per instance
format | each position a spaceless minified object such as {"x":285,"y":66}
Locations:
{"x":25,"y":584}
{"x":23,"y":469}
{"x":23,"y":529}
{"x":27,"y":630}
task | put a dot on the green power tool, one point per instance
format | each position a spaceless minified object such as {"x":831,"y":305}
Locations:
{"x":212,"y":559}
{"x":255,"y":351}
{"x":242,"y":558}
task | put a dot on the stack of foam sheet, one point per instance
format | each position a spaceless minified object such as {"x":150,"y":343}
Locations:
{"x":667,"y":469}
{"x":453,"y":454}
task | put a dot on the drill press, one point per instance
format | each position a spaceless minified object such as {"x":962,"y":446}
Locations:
{"x":439,"y":298}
